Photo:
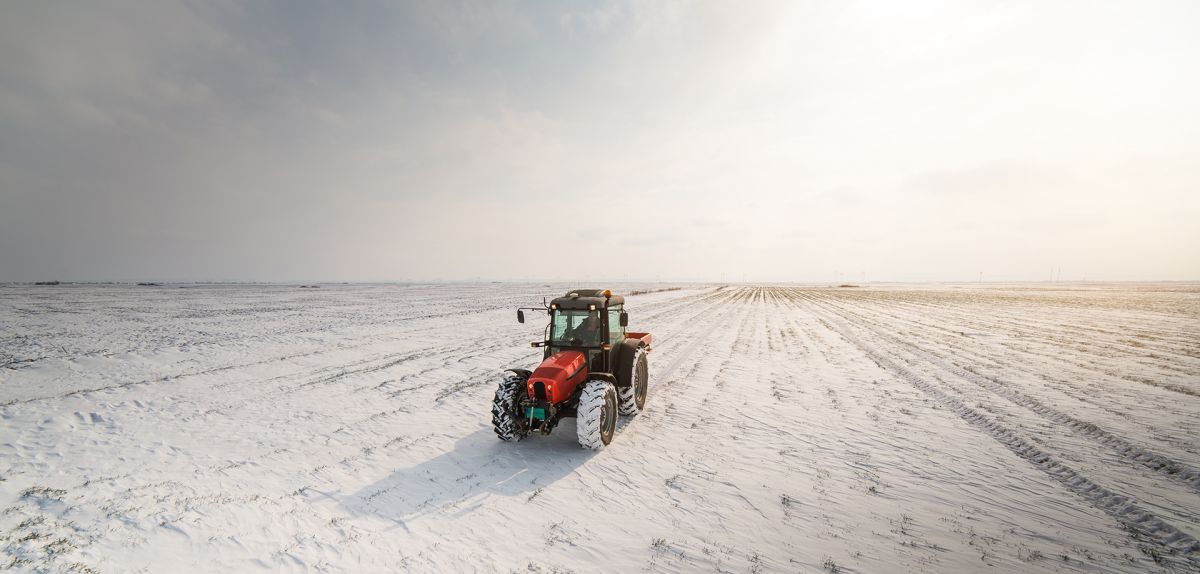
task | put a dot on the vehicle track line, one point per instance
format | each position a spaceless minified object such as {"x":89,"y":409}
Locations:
{"x":687,"y":351}
{"x":1122,"y":508}
{"x":1135,"y":453}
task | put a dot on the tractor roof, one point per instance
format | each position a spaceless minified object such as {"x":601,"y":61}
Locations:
{"x":585,"y":298}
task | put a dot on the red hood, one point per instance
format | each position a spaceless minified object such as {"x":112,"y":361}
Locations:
{"x":559,"y":375}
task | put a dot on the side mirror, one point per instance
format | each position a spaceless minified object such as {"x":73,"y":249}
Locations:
{"x":520,"y":316}
{"x":624,"y":319}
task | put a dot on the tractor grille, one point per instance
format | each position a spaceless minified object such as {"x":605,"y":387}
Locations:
{"x":539,"y":391}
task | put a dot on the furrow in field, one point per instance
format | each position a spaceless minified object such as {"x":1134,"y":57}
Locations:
{"x":1050,"y":326}
{"x":865,"y":447}
{"x":1124,"y":509}
{"x":1134,"y":411}
{"x":1134,"y":453}
{"x":1105,"y":358}
{"x":690,"y":410}
{"x":1124,"y":472}
{"x":1076,"y":329}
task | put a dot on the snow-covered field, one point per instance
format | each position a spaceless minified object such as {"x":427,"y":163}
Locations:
{"x":788,"y":429}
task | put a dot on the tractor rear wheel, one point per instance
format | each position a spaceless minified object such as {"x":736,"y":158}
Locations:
{"x":633,"y":397}
{"x":596,"y":416}
{"x":508,"y":421}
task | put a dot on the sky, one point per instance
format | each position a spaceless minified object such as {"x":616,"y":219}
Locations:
{"x":671,"y":141}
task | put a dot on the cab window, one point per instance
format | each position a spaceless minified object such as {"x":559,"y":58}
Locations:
{"x":615,"y":331}
{"x":575,"y":328}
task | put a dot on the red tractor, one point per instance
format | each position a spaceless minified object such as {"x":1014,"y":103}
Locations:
{"x":592,"y":369}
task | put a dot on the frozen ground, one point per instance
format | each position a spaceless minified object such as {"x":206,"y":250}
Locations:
{"x":788,"y":429}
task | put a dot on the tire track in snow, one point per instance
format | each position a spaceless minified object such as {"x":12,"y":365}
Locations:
{"x":719,"y":300}
{"x":1122,"y":508}
{"x":342,"y":319}
{"x":223,"y":368}
{"x":344,"y":458}
{"x":169,"y":378}
{"x":1063,"y":333}
{"x":331,"y":373}
{"x":1165,"y":466}
{"x":715,"y":300}
{"x":670,"y":306}
{"x":697,"y":488}
{"x":1136,"y":404}
{"x":665,"y":374}
{"x":1073,"y":325}
{"x":724,"y":307}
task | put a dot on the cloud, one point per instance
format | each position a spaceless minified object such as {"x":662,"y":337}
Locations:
{"x":431,"y":139}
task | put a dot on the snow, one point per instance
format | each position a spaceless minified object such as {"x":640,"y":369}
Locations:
{"x":901,"y":428}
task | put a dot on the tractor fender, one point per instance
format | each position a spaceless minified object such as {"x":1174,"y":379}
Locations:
{"x":603,"y":377}
{"x":626,"y":352}
{"x":523,"y":373}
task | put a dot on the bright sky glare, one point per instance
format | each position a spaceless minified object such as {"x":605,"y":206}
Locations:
{"x":765,"y":141}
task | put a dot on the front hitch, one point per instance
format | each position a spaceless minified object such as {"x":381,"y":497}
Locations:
{"x":539,"y":415}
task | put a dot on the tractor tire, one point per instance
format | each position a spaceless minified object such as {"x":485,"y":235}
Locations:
{"x":508,"y":421}
{"x":632,"y":399}
{"x":596,"y":416}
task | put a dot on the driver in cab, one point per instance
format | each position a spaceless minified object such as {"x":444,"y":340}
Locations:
{"x":587,"y":332}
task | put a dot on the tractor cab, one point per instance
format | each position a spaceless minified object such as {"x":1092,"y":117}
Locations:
{"x":591,"y":321}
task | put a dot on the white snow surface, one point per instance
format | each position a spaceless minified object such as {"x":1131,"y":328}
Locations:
{"x":934,"y":428}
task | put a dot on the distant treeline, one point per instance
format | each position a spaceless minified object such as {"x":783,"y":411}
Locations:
{"x":648,"y":291}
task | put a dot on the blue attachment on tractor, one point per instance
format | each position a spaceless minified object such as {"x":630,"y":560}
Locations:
{"x":536,"y":414}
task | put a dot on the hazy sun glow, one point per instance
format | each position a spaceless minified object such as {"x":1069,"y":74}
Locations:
{"x":695,"y":141}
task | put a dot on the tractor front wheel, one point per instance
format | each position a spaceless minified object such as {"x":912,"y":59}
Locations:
{"x":596,"y":416}
{"x":509,"y":422}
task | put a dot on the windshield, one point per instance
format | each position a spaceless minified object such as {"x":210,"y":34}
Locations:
{"x":576,"y":328}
